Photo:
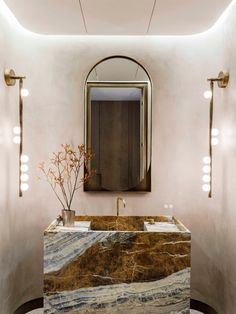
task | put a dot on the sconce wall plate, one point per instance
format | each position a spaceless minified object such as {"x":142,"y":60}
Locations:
{"x":223,"y":79}
{"x":9,"y":77}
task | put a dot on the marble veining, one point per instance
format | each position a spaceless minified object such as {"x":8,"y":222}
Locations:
{"x":64,"y":247}
{"x":117,"y":271}
{"x":161,"y":296}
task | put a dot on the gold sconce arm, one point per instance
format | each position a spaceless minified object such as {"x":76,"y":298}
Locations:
{"x":10,"y":79}
{"x":210,"y":133}
{"x":222,"y":81}
{"x":21,"y":133}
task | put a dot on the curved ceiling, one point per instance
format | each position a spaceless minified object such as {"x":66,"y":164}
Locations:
{"x":117,"y":17}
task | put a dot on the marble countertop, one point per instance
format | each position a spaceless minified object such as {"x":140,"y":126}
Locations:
{"x":79,"y":226}
{"x":121,"y":223}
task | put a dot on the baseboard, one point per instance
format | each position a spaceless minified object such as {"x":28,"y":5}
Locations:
{"x":38,"y":303}
{"x":29,"y":306}
{"x":202,"y":307}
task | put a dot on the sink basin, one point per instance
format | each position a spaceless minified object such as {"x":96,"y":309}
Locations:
{"x":121,"y":223}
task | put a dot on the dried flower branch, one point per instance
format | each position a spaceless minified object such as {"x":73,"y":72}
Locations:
{"x":63,"y":172}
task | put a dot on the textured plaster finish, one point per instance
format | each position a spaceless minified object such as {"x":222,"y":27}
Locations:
{"x":56,"y":68}
{"x":228,"y":150}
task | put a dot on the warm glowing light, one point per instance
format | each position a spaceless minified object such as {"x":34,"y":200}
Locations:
{"x":206,"y":178}
{"x":206,"y":169}
{"x":206,"y":187}
{"x":16,"y":130}
{"x":24,"y":177}
{"x":24,"y":186}
{"x":7,"y":13}
{"x":24,"y":168}
{"x":206,"y":160}
{"x":24,"y":92}
{"x":215,"y":132}
{"x":207,"y":94}
{"x":214,"y":141}
{"x":24,"y":158}
{"x":16,"y":139}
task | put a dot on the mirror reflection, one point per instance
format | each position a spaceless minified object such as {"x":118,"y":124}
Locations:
{"x":118,"y":126}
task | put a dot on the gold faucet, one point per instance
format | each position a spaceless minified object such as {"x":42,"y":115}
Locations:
{"x":117,"y":205}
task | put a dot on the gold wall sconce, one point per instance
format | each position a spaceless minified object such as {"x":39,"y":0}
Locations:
{"x":10,"y":79}
{"x":222,"y":82}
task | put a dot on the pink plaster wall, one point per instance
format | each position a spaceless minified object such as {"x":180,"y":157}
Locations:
{"x":56,"y":68}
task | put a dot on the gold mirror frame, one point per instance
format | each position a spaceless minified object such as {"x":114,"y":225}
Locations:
{"x":145,"y":184}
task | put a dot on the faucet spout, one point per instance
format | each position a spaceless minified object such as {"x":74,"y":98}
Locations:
{"x":117,"y":205}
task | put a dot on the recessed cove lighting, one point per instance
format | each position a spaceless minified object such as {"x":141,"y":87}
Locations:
{"x":8,"y":14}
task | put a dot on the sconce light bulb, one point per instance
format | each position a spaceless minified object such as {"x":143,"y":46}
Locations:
{"x":214,"y":141}
{"x":24,"y":177}
{"x":24,"y":168}
{"x":206,"y":169}
{"x":24,"y":186}
{"x":215,"y":132}
{"x":206,"y":160}
{"x":24,"y":92}
{"x":207,"y":94}
{"x":206,"y":187}
{"x":16,"y":139}
{"x":16,"y":130}
{"x":206,"y":178}
{"x":24,"y":158}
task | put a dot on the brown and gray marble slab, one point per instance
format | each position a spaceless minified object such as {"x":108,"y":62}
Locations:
{"x":117,"y":268}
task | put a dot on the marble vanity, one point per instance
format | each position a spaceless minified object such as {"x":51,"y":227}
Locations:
{"x":109,"y":264}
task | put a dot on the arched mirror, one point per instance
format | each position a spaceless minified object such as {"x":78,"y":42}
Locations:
{"x":118,"y":125}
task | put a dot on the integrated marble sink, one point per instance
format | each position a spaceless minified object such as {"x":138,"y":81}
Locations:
{"x":132,"y":223}
{"x":115,"y":266}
